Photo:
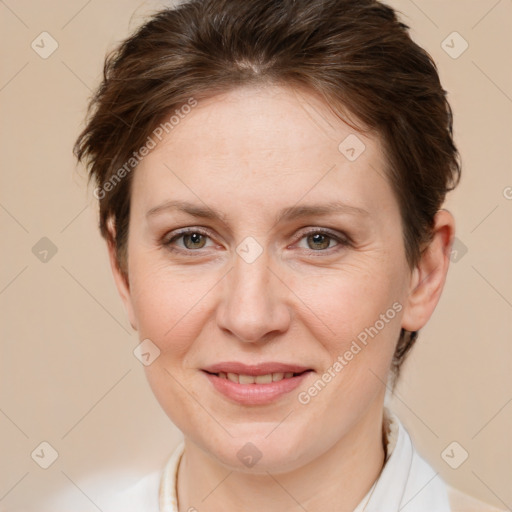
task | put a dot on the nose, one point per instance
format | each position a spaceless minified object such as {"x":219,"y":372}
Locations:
{"x":253,"y":307}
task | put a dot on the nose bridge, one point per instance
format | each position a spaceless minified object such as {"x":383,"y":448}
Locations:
{"x":252,"y":304}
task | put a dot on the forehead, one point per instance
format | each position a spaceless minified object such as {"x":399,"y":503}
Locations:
{"x":272,"y":121}
{"x":264,"y":146}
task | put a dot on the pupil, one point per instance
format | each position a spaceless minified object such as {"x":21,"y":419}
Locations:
{"x":320,"y":239}
{"x":195,"y":239}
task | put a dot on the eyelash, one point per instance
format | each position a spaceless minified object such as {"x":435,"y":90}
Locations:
{"x":342,"y":241}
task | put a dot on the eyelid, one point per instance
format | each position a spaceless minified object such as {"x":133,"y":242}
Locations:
{"x":168,"y":238}
{"x":340,"y":237}
{"x":342,"y":241}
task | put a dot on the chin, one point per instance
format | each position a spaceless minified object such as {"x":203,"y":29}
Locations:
{"x":257,"y":452}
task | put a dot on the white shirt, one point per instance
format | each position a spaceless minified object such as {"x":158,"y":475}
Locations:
{"x":407,"y":483}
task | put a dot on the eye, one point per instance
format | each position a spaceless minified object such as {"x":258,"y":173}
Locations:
{"x":319,"y":240}
{"x":192,"y":238}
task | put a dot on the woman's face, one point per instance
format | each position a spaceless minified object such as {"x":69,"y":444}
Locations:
{"x":304,"y":261}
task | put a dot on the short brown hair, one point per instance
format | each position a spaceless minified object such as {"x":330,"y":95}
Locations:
{"x":355,"y":53}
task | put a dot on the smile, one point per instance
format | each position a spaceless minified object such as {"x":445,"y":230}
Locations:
{"x":258,"y":379}
{"x":256,"y":384}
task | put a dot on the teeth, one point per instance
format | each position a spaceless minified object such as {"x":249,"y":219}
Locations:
{"x":263,"y":379}
{"x":259,"y":379}
{"x":246,"y":379}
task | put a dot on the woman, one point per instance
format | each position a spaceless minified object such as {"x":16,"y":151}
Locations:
{"x":270,"y":177}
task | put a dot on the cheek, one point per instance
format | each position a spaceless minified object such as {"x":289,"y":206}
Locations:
{"x":348,"y":300}
{"x":360,"y":312}
{"x":169,"y":306}
{"x":356,"y":317}
{"x":170,"y":310}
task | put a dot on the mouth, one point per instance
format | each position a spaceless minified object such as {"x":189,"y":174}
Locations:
{"x":255,"y":384}
{"x":266,"y":378}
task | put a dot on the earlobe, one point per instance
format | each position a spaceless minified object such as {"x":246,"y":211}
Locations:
{"x":428,"y":278}
{"x":122,"y":282}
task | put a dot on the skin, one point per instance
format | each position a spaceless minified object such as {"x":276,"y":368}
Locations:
{"x":250,"y":153}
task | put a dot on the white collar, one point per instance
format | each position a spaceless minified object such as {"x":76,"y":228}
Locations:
{"x":407,"y":483}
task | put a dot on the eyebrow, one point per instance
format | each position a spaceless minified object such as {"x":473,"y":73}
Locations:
{"x":286,"y":214}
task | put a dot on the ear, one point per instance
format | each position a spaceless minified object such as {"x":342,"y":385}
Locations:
{"x":429,"y":276}
{"x":121,"y":278}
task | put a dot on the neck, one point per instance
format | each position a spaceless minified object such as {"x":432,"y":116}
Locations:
{"x":336,"y":480}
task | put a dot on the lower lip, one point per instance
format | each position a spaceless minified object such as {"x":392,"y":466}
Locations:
{"x":255,"y":394}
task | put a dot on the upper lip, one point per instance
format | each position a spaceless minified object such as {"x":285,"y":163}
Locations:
{"x":254,"y":369}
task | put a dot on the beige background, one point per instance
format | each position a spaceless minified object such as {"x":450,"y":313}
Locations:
{"x":68,"y":374}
